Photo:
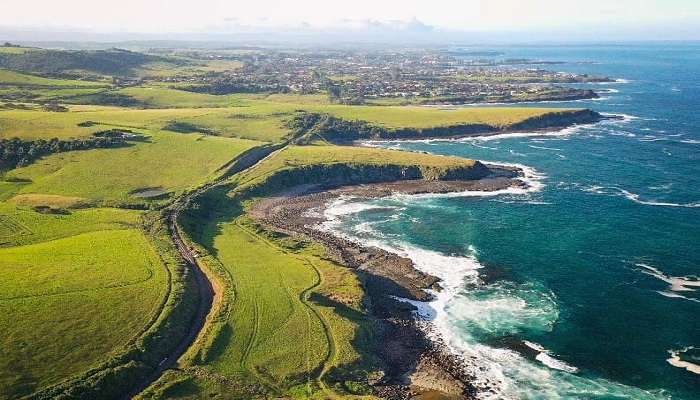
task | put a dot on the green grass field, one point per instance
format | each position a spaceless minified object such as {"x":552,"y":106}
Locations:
{"x":22,"y":226}
{"x":294,"y":157}
{"x":89,"y":282}
{"x":428,"y":117}
{"x":290,"y":318}
{"x":278,"y":335}
{"x":16,"y":50}
{"x":19,"y":79}
{"x":168,"y":162}
{"x":263,"y":122}
{"x":292,"y":321}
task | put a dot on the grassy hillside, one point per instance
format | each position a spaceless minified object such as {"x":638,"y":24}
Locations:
{"x":291,"y":321}
{"x":86,"y":297}
{"x":94,"y":295}
{"x":16,"y":50}
{"x":105,"y":62}
{"x":18,"y":79}
{"x":167,"y":162}
{"x":20,"y":225}
{"x":305,"y":158}
{"x":428,"y":117}
{"x":89,"y":282}
{"x":257,"y":122}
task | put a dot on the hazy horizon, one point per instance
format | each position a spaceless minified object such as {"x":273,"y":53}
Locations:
{"x":477,"y":21}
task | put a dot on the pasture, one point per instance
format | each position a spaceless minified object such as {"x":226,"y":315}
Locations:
{"x":169,"y":162}
{"x":295,"y":157}
{"x":259,"y":121}
{"x":89,"y":282}
{"x":82,"y":277}
{"x":428,"y":117}
{"x":12,"y":78}
{"x":290,"y":319}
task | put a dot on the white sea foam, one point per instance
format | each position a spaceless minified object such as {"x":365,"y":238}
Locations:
{"x":543,"y":147}
{"x":342,"y":207}
{"x":676,"y":283}
{"x":531,"y":178}
{"x":616,"y":191}
{"x":499,"y":373}
{"x":475,"y":144}
{"x":636,"y":198}
{"x":676,"y":296}
{"x":666,"y":186}
{"x":625,"y":117}
{"x":545,"y":358}
{"x":595,"y":189}
{"x":676,"y":361}
{"x":622,"y":133}
{"x":484,"y":138}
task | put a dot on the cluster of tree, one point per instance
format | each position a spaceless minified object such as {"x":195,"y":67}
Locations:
{"x":109,"y":99}
{"x":310,"y":126}
{"x":14,"y":106}
{"x":15,"y":153}
{"x":186,"y":127}
{"x":53,"y":107}
{"x":8,"y":44}
{"x":337,"y":95}
{"x":224,"y":87}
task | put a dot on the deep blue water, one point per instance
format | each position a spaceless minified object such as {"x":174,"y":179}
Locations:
{"x":586,"y":263}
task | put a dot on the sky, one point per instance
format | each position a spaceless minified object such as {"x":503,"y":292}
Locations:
{"x":643,"y":19}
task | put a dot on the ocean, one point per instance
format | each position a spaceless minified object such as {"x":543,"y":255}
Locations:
{"x":595,"y":270}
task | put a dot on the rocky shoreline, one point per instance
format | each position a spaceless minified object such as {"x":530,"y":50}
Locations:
{"x":416,"y":365}
{"x":534,"y":126}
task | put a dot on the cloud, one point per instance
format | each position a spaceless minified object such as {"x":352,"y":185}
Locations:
{"x":412,"y":25}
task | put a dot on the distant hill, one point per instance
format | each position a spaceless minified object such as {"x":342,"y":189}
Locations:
{"x":55,"y":62}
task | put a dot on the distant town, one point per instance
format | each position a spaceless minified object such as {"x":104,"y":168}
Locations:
{"x":415,"y":76}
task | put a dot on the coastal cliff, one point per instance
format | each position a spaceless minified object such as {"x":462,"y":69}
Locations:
{"x":312,"y":126}
{"x":291,"y":202}
{"x":340,"y":174}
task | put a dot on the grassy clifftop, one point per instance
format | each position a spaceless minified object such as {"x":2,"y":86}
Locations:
{"x":467,"y":122}
{"x":341,"y":165}
{"x":430,"y":117}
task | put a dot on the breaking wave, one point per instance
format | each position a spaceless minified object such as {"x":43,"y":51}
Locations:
{"x":616,"y":191}
{"x":467,"y":311}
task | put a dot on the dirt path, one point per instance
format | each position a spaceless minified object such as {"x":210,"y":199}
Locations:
{"x":208,"y":291}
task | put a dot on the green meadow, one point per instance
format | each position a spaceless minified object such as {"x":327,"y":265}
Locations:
{"x":12,"y":78}
{"x":291,"y":322}
{"x":90,"y":282}
{"x":168,"y":162}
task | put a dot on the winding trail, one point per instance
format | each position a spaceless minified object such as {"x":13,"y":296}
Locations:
{"x":208,"y":292}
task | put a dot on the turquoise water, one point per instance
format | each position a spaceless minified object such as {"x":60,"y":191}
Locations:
{"x":598,"y":268}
